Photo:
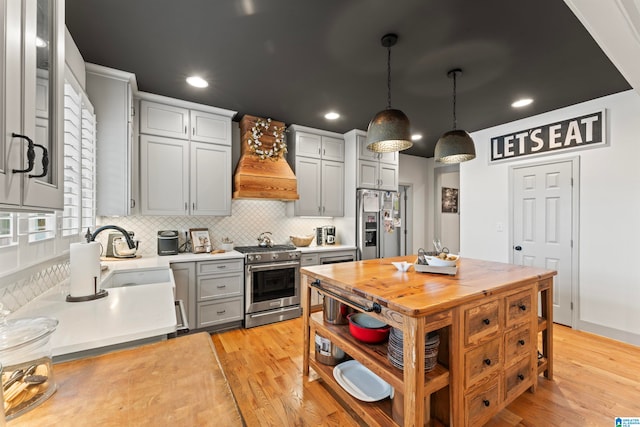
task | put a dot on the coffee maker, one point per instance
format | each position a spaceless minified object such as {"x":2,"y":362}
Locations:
{"x":326,"y":235}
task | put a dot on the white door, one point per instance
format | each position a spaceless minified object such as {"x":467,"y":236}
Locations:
{"x":308,"y":173}
{"x":207,"y":127}
{"x":164,"y":176}
{"x":368,"y":173}
{"x":332,"y":149}
{"x":164,"y":120}
{"x":542,"y":227}
{"x":210,"y":179}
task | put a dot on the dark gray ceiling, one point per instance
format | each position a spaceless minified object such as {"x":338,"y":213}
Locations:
{"x":295,"y":60}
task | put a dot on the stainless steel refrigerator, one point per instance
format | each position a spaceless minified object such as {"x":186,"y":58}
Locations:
{"x":378,"y":224}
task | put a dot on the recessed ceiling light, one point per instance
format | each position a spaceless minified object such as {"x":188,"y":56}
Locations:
{"x":197,"y":81}
{"x":522,"y":102}
{"x":416,"y":137}
{"x":332,"y":115}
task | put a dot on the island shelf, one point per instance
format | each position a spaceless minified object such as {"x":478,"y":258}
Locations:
{"x":487,"y":318}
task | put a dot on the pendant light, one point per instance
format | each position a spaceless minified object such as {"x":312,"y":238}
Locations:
{"x":389,"y":129}
{"x":455,"y":146}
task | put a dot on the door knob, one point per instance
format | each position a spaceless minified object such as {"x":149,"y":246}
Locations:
{"x":517,"y":248}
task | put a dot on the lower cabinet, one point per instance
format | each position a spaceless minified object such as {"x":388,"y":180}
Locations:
{"x":212,"y":291}
{"x":325,"y":257}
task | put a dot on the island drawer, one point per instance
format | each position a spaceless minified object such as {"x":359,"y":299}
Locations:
{"x":517,"y":378}
{"x":482,"y":361}
{"x":481,"y":321}
{"x":480,"y":405}
{"x":517,"y":343}
{"x":220,"y":311}
{"x":219,"y":286}
{"x":212,"y":267}
{"x":519,"y":307}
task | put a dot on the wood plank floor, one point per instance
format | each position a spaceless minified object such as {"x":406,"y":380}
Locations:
{"x":595,"y":380}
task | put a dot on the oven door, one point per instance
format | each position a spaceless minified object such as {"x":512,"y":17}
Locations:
{"x":271,"y":286}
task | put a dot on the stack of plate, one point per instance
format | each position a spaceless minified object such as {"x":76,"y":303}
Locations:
{"x":395,"y":355}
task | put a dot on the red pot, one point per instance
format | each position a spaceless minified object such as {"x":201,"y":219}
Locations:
{"x":367,"y":328}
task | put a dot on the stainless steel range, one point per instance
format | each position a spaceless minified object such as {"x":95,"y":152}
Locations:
{"x":272,"y":284}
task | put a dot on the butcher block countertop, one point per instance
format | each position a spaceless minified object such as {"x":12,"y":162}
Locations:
{"x":175,"y":382}
{"x":420,"y":294}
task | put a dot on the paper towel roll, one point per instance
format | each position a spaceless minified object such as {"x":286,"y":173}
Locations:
{"x":85,"y":269}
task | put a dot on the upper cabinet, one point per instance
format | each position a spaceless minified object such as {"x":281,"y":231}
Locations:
{"x":317,"y":157}
{"x":185,"y":158}
{"x":111,"y":93}
{"x":375,"y":170}
{"x":32,"y":97}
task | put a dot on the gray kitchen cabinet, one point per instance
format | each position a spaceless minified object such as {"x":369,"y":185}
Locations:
{"x":184,"y":275}
{"x":325,"y":256}
{"x":219,"y":293}
{"x":317,"y":158}
{"x":173,"y":121}
{"x":185,"y":159}
{"x":306,"y":260}
{"x":111,"y":93}
{"x":377,"y":171}
{"x":32,"y":99}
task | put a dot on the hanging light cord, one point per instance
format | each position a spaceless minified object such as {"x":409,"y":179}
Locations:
{"x":455,"y":124}
{"x":389,"y":77}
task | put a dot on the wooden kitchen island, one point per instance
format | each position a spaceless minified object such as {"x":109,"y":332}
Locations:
{"x":175,"y":382}
{"x":487,"y":319}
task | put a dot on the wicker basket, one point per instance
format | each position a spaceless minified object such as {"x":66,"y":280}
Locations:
{"x":302,"y":241}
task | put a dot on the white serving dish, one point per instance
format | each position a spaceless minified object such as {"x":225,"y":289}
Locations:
{"x":402,"y":266}
{"x":438,"y":262}
{"x":360,"y":382}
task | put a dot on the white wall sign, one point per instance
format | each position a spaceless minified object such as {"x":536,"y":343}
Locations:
{"x":580,"y":132}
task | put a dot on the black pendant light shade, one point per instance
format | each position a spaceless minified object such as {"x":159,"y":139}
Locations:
{"x":389,"y":130}
{"x":455,"y":146}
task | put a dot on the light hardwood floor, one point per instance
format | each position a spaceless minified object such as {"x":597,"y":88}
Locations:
{"x":595,"y":380}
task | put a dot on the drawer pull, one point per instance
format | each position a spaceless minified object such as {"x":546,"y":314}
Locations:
{"x":486,"y":403}
{"x":521,"y":342}
{"x":222,"y":266}
{"x":486,"y":321}
{"x":521,"y":377}
{"x":487,"y":362}
{"x":224,"y":286}
{"x":221,"y":312}
{"x":522,"y":307}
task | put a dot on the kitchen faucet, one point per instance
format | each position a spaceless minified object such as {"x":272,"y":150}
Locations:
{"x":92,"y":237}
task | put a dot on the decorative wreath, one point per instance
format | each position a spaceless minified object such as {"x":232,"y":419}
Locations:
{"x":279,"y":147}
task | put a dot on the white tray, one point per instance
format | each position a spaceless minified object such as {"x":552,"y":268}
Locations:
{"x":423,"y":268}
{"x":360,"y":382}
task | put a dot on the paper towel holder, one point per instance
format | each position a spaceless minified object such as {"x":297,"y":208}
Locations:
{"x":96,"y":295}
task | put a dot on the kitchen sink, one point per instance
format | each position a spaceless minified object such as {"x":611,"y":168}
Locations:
{"x":137,"y":277}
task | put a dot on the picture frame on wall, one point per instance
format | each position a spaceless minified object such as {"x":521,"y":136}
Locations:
{"x":200,"y":240}
{"x":449,"y":200}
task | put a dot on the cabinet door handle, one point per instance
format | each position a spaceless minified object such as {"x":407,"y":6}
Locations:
{"x":521,"y":377}
{"x":186,"y":206}
{"x":522,"y":307}
{"x":193,"y":206}
{"x":319,"y":151}
{"x":31,"y":154}
{"x":185,"y":130}
{"x":133,"y":203}
{"x":193,"y":131}
{"x":486,"y":321}
{"x":521,"y":342}
{"x":221,"y":312}
{"x":221,"y":286}
{"x":45,"y":162}
{"x":222,"y":266}
{"x":487,"y":362}
{"x":486,"y":402}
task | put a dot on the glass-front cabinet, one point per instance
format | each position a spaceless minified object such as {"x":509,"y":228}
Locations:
{"x":31,"y":168}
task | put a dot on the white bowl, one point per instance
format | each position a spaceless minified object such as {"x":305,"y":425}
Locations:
{"x":439,"y":262}
{"x":402,"y":266}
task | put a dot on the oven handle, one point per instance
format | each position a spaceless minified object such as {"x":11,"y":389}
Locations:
{"x":273,"y":266}
{"x":376,"y":308}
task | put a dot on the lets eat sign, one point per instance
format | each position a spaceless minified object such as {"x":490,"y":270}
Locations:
{"x":579,"y":132}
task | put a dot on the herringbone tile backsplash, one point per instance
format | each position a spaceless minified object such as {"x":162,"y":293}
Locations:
{"x":248,"y":219}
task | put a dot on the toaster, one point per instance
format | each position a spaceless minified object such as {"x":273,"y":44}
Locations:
{"x":168,"y":242}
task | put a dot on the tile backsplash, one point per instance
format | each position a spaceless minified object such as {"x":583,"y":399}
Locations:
{"x":249,"y":218}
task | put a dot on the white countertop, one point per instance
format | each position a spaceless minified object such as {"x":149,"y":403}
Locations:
{"x":327,"y":248}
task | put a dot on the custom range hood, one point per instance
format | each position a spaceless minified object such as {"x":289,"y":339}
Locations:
{"x":263,"y":171}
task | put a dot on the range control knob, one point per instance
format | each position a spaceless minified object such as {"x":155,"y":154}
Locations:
{"x":293,"y":255}
{"x":258,"y":257}
{"x":250,"y":257}
{"x":275,"y":256}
